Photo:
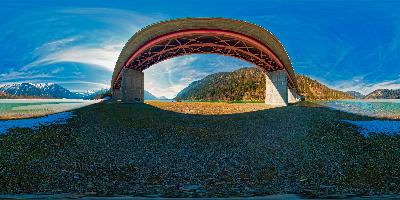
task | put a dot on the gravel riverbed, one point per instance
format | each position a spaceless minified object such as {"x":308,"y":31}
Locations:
{"x":200,"y":150}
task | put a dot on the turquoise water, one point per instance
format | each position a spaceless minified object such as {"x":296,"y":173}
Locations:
{"x":4,"y":107}
{"x":25,"y":108}
{"x":374,"y":107}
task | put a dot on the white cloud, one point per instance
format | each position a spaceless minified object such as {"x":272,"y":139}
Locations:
{"x":82,"y":86}
{"x":53,"y":45}
{"x":104,"y":57}
{"x":99,"y":46}
{"x":359,"y":85}
{"x":57,"y":70}
{"x":18,"y":75}
{"x":169,"y":91}
{"x":119,"y":19}
{"x":169,"y":77}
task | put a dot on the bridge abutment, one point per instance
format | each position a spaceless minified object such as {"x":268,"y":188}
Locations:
{"x":276,"y":90}
{"x":116,"y":94}
{"x":132,"y":86}
{"x":293,"y":96}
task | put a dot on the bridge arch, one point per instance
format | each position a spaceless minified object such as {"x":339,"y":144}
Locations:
{"x":178,"y":37}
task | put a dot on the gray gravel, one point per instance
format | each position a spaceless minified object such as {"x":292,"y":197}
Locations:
{"x":140,"y":150}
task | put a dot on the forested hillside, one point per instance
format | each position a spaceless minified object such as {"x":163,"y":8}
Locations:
{"x":314,"y":90}
{"x":248,"y":84}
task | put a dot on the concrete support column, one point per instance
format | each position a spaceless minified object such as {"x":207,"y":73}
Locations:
{"x":132,"y":86}
{"x":293,"y":96}
{"x":116,"y":94}
{"x":276,"y":93}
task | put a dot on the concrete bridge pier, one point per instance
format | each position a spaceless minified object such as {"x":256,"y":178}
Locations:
{"x":132,"y":86}
{"x":276,"y":90}
{"x":293,"y":96}
{"x":116,"y":94}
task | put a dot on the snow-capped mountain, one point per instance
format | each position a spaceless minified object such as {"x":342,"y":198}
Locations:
{"x":92,"y":94}
{"x":22,"y":89}
{"x":48,"y":90}
{"x":52,"y":90}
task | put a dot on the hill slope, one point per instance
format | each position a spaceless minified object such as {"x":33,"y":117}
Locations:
{"x":355,"y":94}
{"x":149,"y":96}
{"x":384,"y":94}
{"x":248,"y":84}
{"x":314,"y":90}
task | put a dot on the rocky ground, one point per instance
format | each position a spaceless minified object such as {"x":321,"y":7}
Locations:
{"x":151,"y":150}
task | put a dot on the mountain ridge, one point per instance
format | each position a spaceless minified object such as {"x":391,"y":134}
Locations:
{"x":149,"y":96}
{"x":46,"y":90}
{"x":355,"y":94}
{"x":384,"y":94}
{"x":52,"y":90}
{"x":248,"y":84}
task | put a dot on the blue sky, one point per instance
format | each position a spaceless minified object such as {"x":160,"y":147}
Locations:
{"x":348,"y":45}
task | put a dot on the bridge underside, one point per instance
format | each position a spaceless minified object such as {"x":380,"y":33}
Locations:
{"x":203,"y":42}
{"x":277,"y":92}
{"x":127,"y":83}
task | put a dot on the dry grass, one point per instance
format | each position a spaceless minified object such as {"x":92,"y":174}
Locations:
{"x":209,"y":108}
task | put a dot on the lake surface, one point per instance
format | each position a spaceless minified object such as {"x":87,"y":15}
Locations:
{"x":33,"y":123}
{"x":388,"y":108}
{"x":25,"y":108}
{"x":383,"y":108}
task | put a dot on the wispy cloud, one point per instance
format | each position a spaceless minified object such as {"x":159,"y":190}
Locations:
{"x":171,"y":76}
{"x":75,"y":43}
{"x":12,"y":76}
{"x":82,"y":86}
{"x":125,"y":21}
{"x":105,"y":56}
{"x":56,"y":44}
{"x":99,"y":45}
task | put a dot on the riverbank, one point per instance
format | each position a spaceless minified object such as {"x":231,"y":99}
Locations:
{"x":156,"y":150}
{"x":29,"y":108}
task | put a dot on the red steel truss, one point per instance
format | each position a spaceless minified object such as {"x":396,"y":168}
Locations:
{"x":202,"y":41}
